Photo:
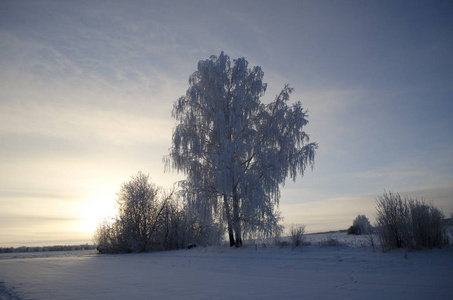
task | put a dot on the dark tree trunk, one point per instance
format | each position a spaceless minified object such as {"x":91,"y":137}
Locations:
{"x":237,"y":220}
{"x":231,"y":236}
{"x":229,"y":221}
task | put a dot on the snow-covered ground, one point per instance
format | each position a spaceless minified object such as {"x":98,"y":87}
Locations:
{"x":353,"y":271}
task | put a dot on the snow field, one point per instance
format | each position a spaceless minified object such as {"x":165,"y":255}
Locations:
{"x":250,"y":272}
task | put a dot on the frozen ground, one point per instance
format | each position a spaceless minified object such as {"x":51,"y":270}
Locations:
{"x":312,"y":272}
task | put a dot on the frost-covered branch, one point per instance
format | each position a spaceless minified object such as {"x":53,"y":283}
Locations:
{"x":234,"y":149}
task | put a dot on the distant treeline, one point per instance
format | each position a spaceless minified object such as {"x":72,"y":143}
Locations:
{"x":47,"y":248}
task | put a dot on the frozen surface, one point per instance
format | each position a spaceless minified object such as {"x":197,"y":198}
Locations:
{"x":312,"y":272}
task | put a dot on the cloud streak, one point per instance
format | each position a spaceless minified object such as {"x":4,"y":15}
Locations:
{"x":75,"y":123}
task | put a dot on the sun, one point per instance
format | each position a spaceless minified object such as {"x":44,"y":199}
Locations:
{"x":95,"y":209}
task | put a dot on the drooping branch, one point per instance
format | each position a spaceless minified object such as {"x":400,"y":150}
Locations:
{"x":232,"y":147}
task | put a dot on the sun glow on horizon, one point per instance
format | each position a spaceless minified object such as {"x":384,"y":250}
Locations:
{"x":96,"y":209}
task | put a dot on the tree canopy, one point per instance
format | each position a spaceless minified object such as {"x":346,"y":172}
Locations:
{"x":235,"y":150}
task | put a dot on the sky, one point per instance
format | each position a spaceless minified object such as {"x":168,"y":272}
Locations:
{"x":87,"y":89}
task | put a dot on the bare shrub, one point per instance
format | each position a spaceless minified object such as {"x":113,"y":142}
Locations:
{"x":297,"y":234}
{"x":330,"y":242}
{"x":427,"y":224}
{"x":408,"y":223}
{"x":150,"y":219}
{"x":108,"y":237}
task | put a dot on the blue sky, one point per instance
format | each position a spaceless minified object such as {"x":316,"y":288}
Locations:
{"x":87,"y":87}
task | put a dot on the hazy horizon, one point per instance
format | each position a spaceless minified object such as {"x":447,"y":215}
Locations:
{"x":87,"y":88}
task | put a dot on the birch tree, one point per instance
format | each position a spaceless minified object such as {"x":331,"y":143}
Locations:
{"x":235,"y":150}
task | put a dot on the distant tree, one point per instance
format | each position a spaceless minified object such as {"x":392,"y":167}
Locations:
{"x":352,"y":230}
{"x":235,"y":150}
{"x":360,"y":225}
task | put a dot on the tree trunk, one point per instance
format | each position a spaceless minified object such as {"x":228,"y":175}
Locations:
{"x":229,"y":221}
{"x":237,"y":220}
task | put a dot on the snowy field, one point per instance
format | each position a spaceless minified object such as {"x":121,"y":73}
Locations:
{"x":350,"y":271}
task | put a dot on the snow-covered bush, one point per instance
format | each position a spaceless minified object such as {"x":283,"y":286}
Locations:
{"x":428,"y":227}
{"x":107,"y":237}
{"x":361,"y":225}
{"x":149,"y":219}
{"x":296,"y":235}
{"x":407,"y":222}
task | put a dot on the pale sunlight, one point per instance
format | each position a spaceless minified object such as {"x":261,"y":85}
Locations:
{"x":95,"y":210}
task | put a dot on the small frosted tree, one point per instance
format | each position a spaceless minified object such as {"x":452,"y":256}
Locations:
{"x":235,"y":150}
{"x":140,"y":219}
{"x":140,"y":212}
{"x":360,"y":225}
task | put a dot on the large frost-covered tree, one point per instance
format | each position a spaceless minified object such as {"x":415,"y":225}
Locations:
{"x":235,"y":150}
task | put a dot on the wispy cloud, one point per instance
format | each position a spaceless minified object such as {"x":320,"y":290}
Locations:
{"x":27,"y":221}
{"x":83,"y":124}
{"x":26,"y":229}
{"x":328,"y":214}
